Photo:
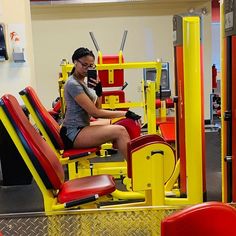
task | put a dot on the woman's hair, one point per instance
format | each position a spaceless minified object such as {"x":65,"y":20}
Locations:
{"x":81,"y":52}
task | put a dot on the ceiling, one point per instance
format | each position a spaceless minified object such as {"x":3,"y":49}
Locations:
{"x":56,"y":2}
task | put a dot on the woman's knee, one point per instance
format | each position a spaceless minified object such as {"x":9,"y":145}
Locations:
{"x":121,"y":131}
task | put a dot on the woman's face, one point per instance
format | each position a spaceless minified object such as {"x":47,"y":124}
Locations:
{"x":83,"y":64}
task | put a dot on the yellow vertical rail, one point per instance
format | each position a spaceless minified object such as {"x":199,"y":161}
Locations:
{"x":100,"y":57}
{"x":193,"y":121}
{"x":158,"y":180}
{"x":151,"y":107}
{"x":120,"y":56}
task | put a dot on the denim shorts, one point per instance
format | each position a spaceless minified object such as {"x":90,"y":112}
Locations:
{"x":69,"y":135}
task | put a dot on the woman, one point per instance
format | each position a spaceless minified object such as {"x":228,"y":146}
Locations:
{"x":82,"y":103}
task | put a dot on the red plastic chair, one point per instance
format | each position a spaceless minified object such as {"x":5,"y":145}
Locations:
{"x":205,"y":219}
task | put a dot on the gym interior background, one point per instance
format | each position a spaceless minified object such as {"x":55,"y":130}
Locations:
{"x":52,"y":31}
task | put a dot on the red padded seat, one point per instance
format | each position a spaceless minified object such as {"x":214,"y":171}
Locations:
{"x":168,"y":132}
{"x":205,"y":219}
{"x":46,"y":162}
{"x":167,"y":119}
{"x":83,"y":187}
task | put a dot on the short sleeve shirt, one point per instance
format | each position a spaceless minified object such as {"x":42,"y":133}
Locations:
{"x":75,"y":115}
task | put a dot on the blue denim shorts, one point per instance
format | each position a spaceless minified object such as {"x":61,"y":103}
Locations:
{"x":69,"y":135}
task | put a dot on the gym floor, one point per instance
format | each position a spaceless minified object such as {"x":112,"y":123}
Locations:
{"x":27,"y":198}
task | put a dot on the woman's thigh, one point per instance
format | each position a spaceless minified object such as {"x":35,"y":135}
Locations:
{"x":95,"y":135}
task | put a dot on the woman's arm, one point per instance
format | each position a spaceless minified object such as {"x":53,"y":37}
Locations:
{"x":83,"y":100}
{"x":98,"y":102}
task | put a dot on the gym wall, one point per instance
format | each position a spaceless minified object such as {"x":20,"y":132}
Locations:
{"x":59,"y":30}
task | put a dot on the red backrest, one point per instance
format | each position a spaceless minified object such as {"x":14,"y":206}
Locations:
{"x":104,"y":75}
{"x":50,"y":125}
{"x":42,"y":157}
{"x":210,"y":218}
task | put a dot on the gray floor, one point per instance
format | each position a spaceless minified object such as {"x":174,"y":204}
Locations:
{"x":213,"y":166}
{"x":27,"y":198}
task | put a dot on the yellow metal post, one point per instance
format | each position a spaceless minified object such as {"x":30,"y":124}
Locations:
{"x":193,"y":111}
{"x":158,"y":193}
{"x":151,"y":107}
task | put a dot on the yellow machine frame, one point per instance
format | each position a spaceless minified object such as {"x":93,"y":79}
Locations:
{"x":148,"y":105}
{"x":66,"y":69}
{"x":150,"y":185}
{"x":192,"y":112}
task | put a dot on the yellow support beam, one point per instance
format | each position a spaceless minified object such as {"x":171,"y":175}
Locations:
{"x":193,"y":110}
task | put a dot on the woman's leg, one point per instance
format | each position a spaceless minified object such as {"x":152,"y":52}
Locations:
{"x":96,"y":135}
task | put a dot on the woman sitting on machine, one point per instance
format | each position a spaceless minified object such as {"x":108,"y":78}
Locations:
{"x":83,"y":101}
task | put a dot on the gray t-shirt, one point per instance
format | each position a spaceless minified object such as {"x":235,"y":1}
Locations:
{"x":75,"y":115}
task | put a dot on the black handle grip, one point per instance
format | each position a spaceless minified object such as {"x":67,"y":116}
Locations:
{"x":157,"y":152}
{"x":81,"y":201}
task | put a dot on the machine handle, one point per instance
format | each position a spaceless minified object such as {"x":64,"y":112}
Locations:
{"x":124,"y":86}
{"x":81,"y":201}
{"x":123,"y":40}
{"x":94,"y":41}
{"x":157,"y":152}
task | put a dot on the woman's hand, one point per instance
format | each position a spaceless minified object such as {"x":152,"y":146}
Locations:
{"x":131,"y":115}
{"x":96,"y":85}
